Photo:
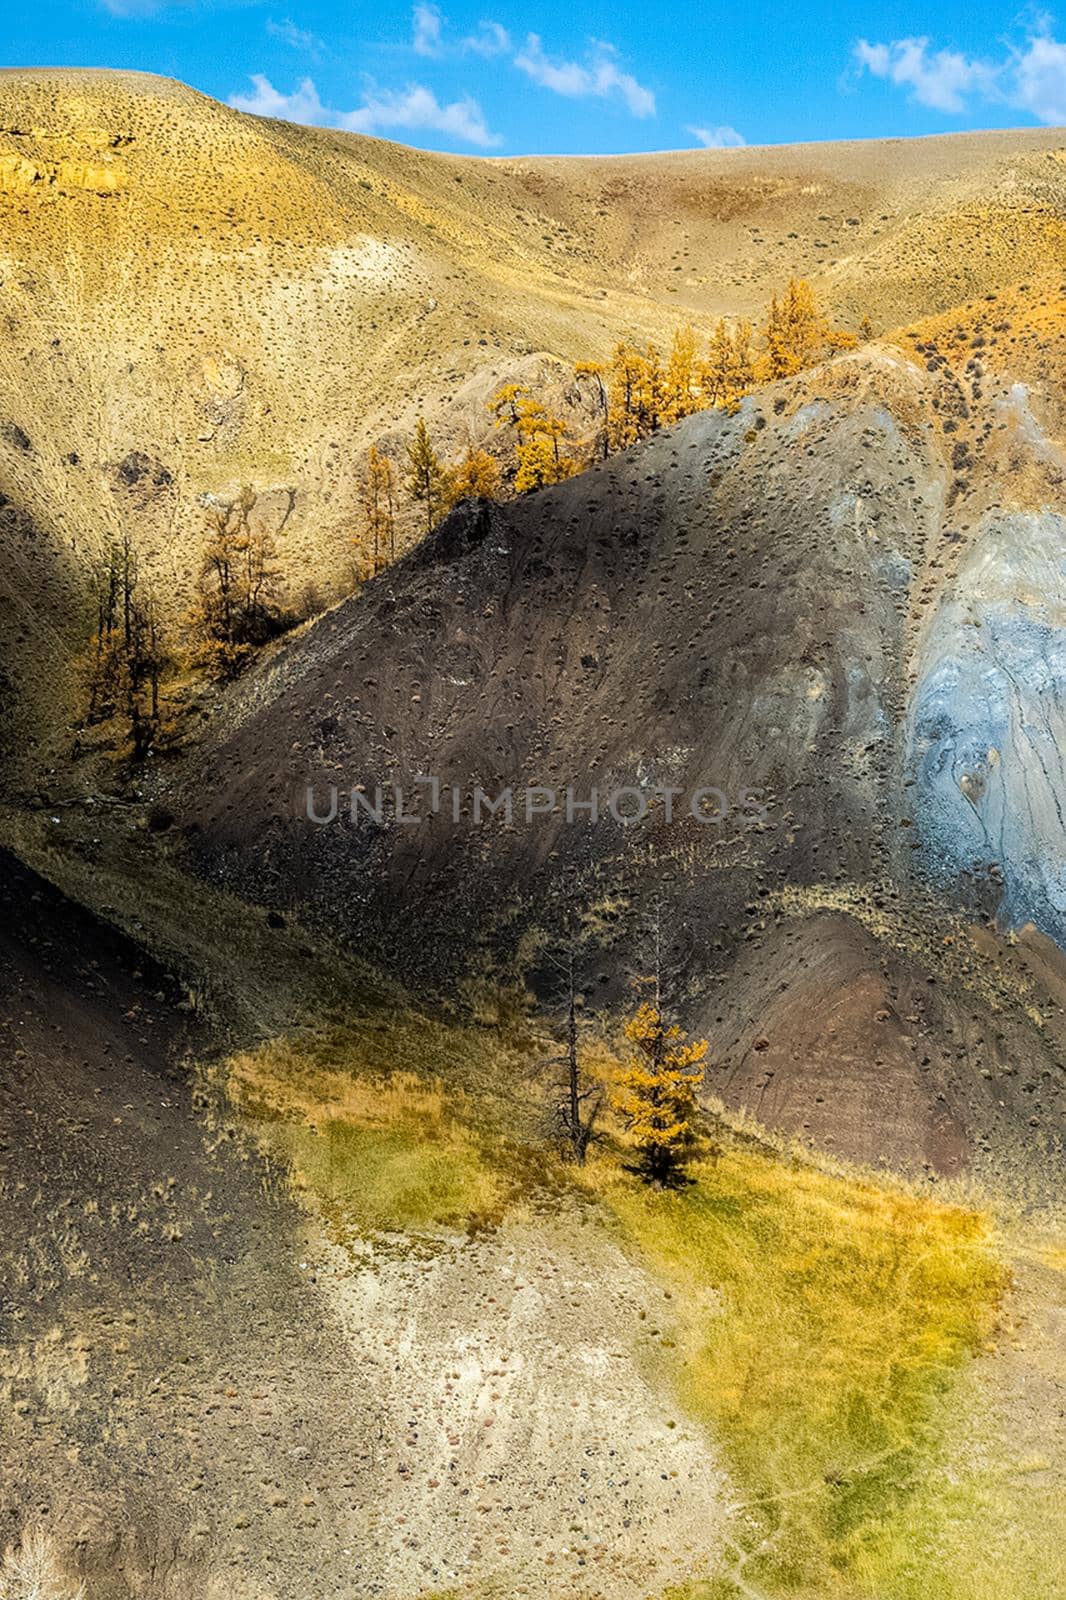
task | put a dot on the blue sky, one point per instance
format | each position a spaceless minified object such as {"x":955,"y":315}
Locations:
{"x":546,"y":76}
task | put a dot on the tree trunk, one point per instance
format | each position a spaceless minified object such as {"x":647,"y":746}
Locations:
{"x":576,"y":1131}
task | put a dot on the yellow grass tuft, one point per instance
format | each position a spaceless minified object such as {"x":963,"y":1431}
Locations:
{"x":377,"y":1154}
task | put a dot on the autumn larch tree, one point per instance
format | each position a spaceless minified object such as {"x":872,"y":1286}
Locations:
{"x":728,"y":373}
{"x":796,"y":334}
{"x":426,"y":479}
{"x":637,"y":395}
{"x":541,"y":459}
{"x":506,"y":404}
{"x":539,"y":455}
{"x":626,"y":379}
{"x":681,"y":388}
{"x":126,"y":656}
{"x":237,"y":594}
{"x":377,"y":497}
{"x":656,"y":1092}
{"x":539,"y":436}
{"x":476,"y":477}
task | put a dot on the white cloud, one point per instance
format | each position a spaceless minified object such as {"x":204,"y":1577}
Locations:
{"x":427,"y":25}
{"x":418,"y":107}
{"x":299,"y":38}
{"x":428,"y":36}
{"x":941,"y":81}
{"x":599,"y":77}
{"x":301,"y":106}
{"x":415,"y":108}
{"x":1031,"y":78}
{"x":1039,"y":74}
{"x":491,"y":39}
{"x":721,"y":138}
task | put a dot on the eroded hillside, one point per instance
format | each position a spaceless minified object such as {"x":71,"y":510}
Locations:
{"x":302,"y":1296}
{"x":832,"y":598}
{"x":197,"y":300}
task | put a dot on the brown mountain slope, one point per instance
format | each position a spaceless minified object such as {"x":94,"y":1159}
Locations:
{"x":197,"y":299}
{"x":150,"y":1283}
{"x":848,"y":596}
{"x":204,"y":1395}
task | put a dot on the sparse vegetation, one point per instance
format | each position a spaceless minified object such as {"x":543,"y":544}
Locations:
{"x":237,"y":606}
{"x":820,"y":1322}
{"x":239,"y":590}
{"x":825,"y":1321}
{"x":126,"y":657}
{"x":31,"y":1571}
{"x":382,"y":1155}
{"x":636,"y":393}
{"x":381,"y":1146}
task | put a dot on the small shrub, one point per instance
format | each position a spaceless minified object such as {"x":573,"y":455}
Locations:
{"x":30,"y":1571}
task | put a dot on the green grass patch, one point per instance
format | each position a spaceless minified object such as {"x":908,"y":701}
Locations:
{"x":381,"y":1180}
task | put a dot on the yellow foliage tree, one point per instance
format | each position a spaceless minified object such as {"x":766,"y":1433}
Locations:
{"x":476,"y":477}
{"x":539,"y":453}
{"x":540,"y":460}
{"x":426,"y":479}
{"x":681,"y":386}
{"x":378,"y":505}
{"x":655,"y":1094}
{"x":540,"y":435}
{"x":728,"y":373}
{"x":796,"y":334}
{"x":636,"y":397}
{"x":506,"y":404}
{"x":626,"y":377}
{"x":637,"y":394}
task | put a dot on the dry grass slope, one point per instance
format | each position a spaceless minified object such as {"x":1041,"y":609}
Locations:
{"x":823,"y":1327}
{"x":198,"y":299}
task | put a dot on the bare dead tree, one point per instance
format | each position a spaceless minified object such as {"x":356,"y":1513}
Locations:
{"x":580,"y":1102}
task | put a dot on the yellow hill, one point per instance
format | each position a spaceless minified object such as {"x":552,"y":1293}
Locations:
{"x":196,"y":299}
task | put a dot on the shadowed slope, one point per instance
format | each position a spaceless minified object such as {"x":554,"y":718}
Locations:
{"x":157,"y":1340}
{"x":755,"y":601}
